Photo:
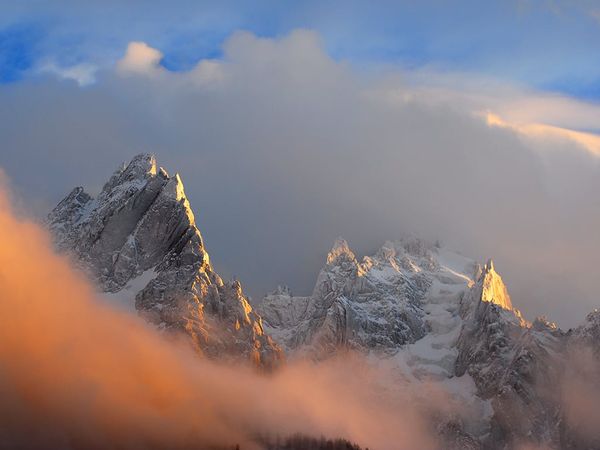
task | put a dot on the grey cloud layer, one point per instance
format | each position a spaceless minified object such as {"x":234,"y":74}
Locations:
{"x":282,"y":149}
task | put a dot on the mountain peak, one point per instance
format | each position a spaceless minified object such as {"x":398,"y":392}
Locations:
{"x":594,"y":316}
{"x":340,"y":251}
{"x":141,"y":166}
{"x":588,"y":333}
{"x":493,"y":289}
{"x":138,"y":240}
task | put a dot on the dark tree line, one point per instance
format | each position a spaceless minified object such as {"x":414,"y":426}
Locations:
{"x":301,"y":442}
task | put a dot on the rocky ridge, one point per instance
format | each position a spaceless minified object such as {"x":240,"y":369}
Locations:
{"x":436,"y":315}
{"x":380,"y":303}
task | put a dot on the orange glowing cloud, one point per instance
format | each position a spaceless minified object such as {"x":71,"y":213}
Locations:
{"x":588,"y":141}
{"x":75,"y":373}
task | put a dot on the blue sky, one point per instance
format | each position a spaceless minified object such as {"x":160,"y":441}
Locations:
{"x":545,"y":44}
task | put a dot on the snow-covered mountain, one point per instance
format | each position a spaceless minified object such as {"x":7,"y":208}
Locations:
{"x":434,"y":314}
{"x":138,"y":240}
{"x":382,"y":302}
{"x":425,"y":311}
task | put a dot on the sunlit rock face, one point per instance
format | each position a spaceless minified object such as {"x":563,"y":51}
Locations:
{"x":491,"y":289}
{"x":513,"y":364}
{"x":138,"y":240}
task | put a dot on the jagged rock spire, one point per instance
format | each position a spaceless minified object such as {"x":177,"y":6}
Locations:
{"x":141,"y":226}
{"x":340,"y":251}
{"x":491,"y":288}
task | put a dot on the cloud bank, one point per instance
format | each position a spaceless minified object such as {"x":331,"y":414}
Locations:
{"x":282,"y":148}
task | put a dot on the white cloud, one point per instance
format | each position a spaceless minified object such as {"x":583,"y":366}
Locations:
{"x":532,"y":130}
{"x":83,"y":74}
{"x":537,"y":115}
{"x":140,"y":59}
{"x":207,"y":72}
